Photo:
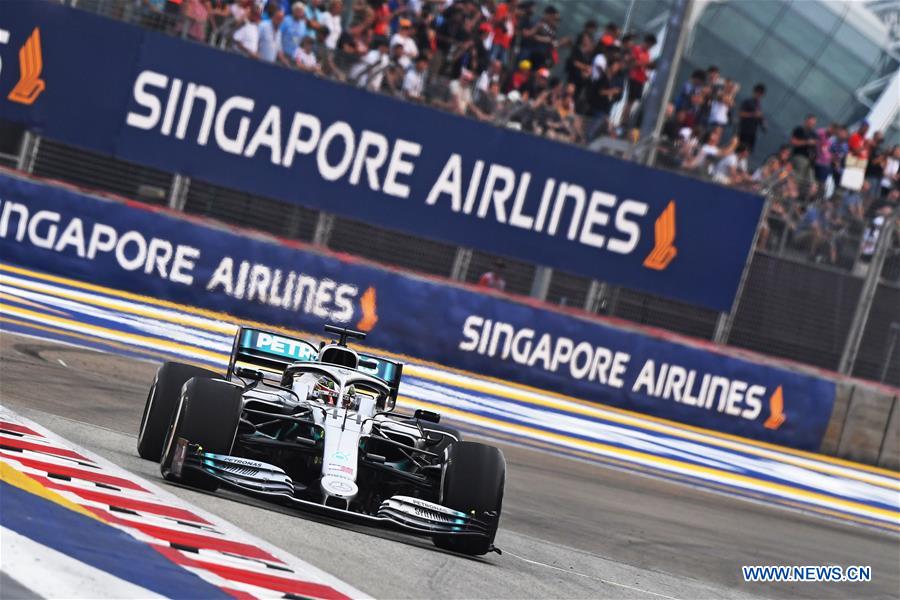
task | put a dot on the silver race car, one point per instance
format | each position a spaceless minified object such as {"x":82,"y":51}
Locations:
{"x":314,"y":427}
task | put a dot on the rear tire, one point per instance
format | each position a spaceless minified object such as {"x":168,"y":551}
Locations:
{"x":473,"y":482}
{"x":208,"y":414}
{"x":161,"y":404}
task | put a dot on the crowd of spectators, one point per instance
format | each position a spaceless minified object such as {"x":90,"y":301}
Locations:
{"x":499,"y":61}
{"x":831,"y":188}
{"x":505,"y":62}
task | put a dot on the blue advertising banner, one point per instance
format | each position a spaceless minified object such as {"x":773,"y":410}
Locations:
{"x":156,"y":253}
{"x":219,"y":117}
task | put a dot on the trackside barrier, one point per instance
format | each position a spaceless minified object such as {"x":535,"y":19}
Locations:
{"x":178,"y":107}
{"x":146,"y":251}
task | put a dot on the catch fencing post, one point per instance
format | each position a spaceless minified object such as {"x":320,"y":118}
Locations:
{"x":461,"y":262}
{"x":178,"y":192}
{"x":726,"y":320}
{"x":28,"y":152}
{"x":867,"y":295}
{"x":324,"y":226}
{"x":540,"y":285}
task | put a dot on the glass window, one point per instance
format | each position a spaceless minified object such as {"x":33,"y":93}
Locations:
{"x":843,"y":65}
{"x":740,"y":32}
{"x":709,"y":49}
{"x":763,"y":12}
{"x":817,"y":87}
{"x":858,"y":43}
{"x":824,"y":15}
{"x":800,"y":33}
{"x":781,"y":60}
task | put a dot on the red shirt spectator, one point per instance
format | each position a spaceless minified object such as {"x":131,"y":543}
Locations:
{"x":857,"y":141}
{"x":382,"y":20}
{"x":640,"y":54}
{"x":504,"y":24}
{"x":493,"y":279}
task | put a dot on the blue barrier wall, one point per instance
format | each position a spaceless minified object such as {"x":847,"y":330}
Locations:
{"x":187,"y":108}
{"x":193,"y":262}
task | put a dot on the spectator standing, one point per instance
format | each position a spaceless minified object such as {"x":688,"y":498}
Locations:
{"x":315,"y":11}
{"x":541,"y":42}
{"x":331,"y":20}
{"x":840,"y":148}
{"x":578,"y":65}
{"x":609,"y":38}
{"x":369,"y":70}
{"x":822,"y":166}
{"x":493,"y":279}
{"x":857,"y":143}
{"x":602,"y":96}
{"x":270,"y":38}
{"x":752,"y":120}
{"x":246,"y":38}
{"x":693,"y":85}
{"x":198,"y":14}
{"x":415,"y":79}
{"x":404,"y":39}
{"x":503,"y":24}
{"x":875,"y":166}
{"x":803,"y":148}
{"x":294,"y":29}
{"x":890,"y":177}
{"x":639,"y":74}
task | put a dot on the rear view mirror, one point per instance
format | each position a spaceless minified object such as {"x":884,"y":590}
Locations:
{"x":247,"y":373}
{"x":427,"y":415}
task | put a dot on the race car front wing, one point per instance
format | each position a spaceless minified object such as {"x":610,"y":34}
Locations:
{"x":266,"y":481}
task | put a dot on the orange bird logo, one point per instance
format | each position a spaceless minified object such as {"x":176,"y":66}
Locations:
{"x":369,"y":311}
{"x":776,"y":410}
{"x":31,"y":63}
{"x":664,"y":250}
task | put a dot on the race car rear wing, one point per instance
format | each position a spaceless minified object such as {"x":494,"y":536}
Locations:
{"x":273,"y":352}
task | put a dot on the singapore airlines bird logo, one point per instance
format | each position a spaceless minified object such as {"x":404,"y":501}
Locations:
{"x":31,"y":63}
{"x":664,"y":250}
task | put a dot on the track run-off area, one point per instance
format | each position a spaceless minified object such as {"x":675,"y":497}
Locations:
{"x":615,"y":503}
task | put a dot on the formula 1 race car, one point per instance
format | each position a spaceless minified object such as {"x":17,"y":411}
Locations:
{"x":314,"y":427}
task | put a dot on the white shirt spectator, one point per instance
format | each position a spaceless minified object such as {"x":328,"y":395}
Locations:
{"x":247,"y":36}
{"x":410,"y":49}
{"x":598,"y":66}
{"x":414,"y":84}
{"x":369,"y":70}
{"x":890,"y":171}
{"x":269,"y":41}
{"x":333,"y":23}
{"x":461,"y":92}
{"x":238,"y":12}
{"x":718,"y":113}
{"x":722,"y":171}
{"x":306,"y":60}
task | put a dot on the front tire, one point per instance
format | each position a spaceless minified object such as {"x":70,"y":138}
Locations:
{"x":474,"y":477}
{"x":208,"y":414}
{"x":161,"y":404}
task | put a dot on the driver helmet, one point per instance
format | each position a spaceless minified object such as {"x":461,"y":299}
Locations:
{"x":351,"y":400}
{"x":326,"y":390}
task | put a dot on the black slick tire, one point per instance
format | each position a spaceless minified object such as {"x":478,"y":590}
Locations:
{"x":160,"y":406}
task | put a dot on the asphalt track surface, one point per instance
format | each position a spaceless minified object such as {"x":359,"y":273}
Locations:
{"x":569,"y":529}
